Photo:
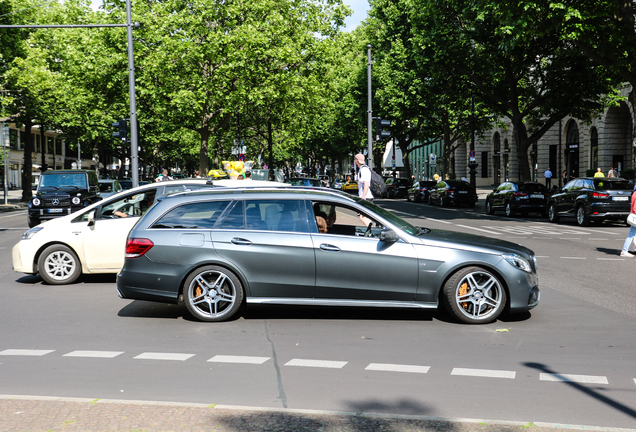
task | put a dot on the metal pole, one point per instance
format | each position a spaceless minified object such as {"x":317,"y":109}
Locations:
{"x":6,"y":178}
{"x":134,"y":144}
{"x":560,"y":163}
{"x":369,"y":111}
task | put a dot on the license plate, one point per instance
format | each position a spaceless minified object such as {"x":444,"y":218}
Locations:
{"x":55,"y":210}
{"x":620,"y":198}
{"x":536,"y":196}
{"x":463,"y":192}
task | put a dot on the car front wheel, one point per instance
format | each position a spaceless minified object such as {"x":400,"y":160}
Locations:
{"x":489,"y":209}
{"x":552,"y":213}
{"x":59,"y":265}
{"x":212,"y":293}
{"x":474,"y":296}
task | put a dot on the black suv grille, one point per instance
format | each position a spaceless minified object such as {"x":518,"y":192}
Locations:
{"x":57,"y":202}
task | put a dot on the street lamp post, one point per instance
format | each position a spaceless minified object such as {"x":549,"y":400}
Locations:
{"x":472,"y":164}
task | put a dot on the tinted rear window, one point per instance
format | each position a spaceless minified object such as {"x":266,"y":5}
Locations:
{"x":536,"y":187}
{"x":613,"y":185}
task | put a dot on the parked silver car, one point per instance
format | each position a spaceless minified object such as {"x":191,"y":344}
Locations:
{"x":216,"y":250}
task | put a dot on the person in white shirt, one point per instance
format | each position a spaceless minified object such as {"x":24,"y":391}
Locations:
{"x":364,"y":178}
{"x":364,"y":184}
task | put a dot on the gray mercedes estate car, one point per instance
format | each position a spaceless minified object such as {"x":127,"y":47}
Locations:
{"x":218,"y":249}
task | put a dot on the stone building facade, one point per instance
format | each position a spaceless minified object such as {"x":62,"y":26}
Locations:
{"x":571,"y":145}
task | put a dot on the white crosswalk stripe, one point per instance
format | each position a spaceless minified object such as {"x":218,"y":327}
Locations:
{"x":583,"y":379}
{"x":316,"y":363}
{"x":94,"y":354}
{"x":238,"y":359}
{"x":164,"y":356}
{"x":25,"y":352}
{"x":484,"y":373}
{"x":397,"y":368}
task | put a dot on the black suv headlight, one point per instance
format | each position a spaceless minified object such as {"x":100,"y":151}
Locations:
{"x":76,"y":200}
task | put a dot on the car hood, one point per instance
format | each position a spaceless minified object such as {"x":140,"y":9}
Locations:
{"x":472,"y":242}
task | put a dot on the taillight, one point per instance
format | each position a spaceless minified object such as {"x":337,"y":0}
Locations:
{"x":599,"y":195}
{"x":136,"y":247}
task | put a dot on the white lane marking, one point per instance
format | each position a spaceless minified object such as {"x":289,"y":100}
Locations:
{"x":484,"y":373}
{"x":437,"y":220}
{"x":25,"y":352}
{"x":542,"y":238}
{"x":479,"y":229}
{"x":570,"y":238}
{"x":163,"y":356}
{"x":238,"y":359}
{"x":599,"y":239}
{"x":94,"y":354}
{"x":611,"y":259}
{"x":397,"y":368}
{"x":574,"y":258}
{"x":316,"y":363}
{"x":584,"y":379}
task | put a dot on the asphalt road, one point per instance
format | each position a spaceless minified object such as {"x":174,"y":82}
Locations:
{"x":570,"y":361}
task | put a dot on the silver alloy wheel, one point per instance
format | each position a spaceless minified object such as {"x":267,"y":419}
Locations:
{"x":509,"y":211}
{"x":60,"y":265}
{"x":475,"y":295}
{"x":213,"y":294}
{"x":552,"y":213}
{"x":581,"y":217}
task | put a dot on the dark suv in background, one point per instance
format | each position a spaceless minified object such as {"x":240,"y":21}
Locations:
{"x":518,"y":197}
{"x":62,"y":192}
{"x":397,"y":187}
{"x":592,"y":199}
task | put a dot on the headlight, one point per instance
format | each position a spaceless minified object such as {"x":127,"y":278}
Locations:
{"x":76,"y":200}
{"x":518,"y":262}
{"x":30,"y":233}
{"x":36,"y":201}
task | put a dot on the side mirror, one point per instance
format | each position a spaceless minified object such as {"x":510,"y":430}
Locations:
{"x":91,"y":218}
{"x":388,"y":236}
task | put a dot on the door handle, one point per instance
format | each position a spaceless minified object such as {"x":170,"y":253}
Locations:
{"x":329,"y":248}
{"x":240,"y":241}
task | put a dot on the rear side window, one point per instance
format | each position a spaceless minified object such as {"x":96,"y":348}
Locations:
{"x":613,"y":185}
{"x":199,"y":215}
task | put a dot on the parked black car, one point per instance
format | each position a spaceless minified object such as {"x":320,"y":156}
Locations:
{"x":62,"y":192}
{"x":397,"y":187}
{"x":301,"y":181}
{"x":518,"y":197}
{"x":419,"y":191}
{"x":592,"y":199}
{"x":456,"y":192}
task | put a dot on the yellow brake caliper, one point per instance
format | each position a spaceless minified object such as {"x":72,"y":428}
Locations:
{"x":463,"y":289}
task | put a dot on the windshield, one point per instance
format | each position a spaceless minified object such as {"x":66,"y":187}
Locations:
{"x":400,"y":223}
{"x":58,"y":180}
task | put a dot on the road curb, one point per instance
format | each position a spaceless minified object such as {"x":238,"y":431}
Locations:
{"x":42,"y":413}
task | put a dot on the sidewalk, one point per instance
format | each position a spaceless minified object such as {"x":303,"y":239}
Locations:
{"x":20,"y":413}
{"x":13,"y":202}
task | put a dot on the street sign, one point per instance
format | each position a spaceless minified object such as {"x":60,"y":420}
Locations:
{"x":242,"y":157}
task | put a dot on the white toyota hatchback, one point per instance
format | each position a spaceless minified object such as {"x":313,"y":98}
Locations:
{"x":93,"y":240}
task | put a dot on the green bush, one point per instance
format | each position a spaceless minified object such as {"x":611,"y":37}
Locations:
{"x":590,"y":172}
{"x":628,"y":173}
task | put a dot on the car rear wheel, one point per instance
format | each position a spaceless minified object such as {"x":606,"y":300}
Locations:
{"x":474,"y":296}
{"x":408,"y":197}
{"x":59,"y":265}
{"x":509,"y":211}
{"x":552,"y":213}
{"x":442,"y":201}
{"x":489,"y":209}
{"x":212,"y":293}
{"x":582,"y":219}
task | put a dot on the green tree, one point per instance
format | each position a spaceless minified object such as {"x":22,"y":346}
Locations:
{"x":518,"y":61}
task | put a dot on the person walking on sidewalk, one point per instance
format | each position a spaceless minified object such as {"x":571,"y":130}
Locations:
{"x":548,"y":178}
{"x":632,"y":230}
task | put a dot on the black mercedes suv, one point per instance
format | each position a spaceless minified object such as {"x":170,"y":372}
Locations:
{"x":62,"y":192}
{"x":592,"y":199}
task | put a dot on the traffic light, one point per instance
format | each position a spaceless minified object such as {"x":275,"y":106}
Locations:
{"x":380,"y":125}
{"x":122,"y":130}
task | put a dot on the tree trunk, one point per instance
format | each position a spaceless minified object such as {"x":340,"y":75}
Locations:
{"x":27,"y":177}
{"x":270,"y":151}
{"x":203,"y":152}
